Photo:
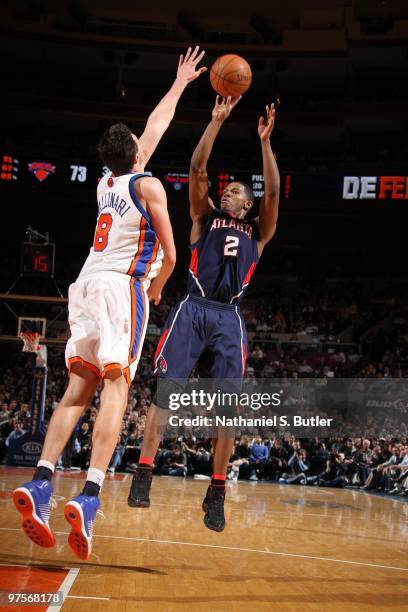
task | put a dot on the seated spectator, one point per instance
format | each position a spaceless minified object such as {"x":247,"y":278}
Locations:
{"x":257,"y":459}
{"x":239,"y":464}
{"x":299,"y":468}
{"x":363,"y":457}
{"x":202,"y":461}
{"x":117,"y":453}
{"x":318,"y":459}
{"x":333,"y":475}
{"x":401,"y":475}
{"x":348,"y":451}
{"x":17,"y":432}
{"x":277,"y":462}
{"x":392,"y":471}
{"x":376,"y":479}
{"x":83,"y":438}
{"x":175,"y":462}
{"x":133,"y":444}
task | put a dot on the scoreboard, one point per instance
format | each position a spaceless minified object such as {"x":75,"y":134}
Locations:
{"x":47,"y":174}
{"x":37,"y":259}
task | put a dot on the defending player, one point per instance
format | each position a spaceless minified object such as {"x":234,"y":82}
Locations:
{"x":132,"y":257}
{"x":225,"y":249}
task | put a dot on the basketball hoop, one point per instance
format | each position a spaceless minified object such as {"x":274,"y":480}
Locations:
{"x":31,"y":341}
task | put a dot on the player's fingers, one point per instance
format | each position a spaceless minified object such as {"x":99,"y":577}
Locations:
{"x":180,"y":61}
{"x":203,"y":69}
{"x":194,"y":53}
{"x":199,"y":58}
{"x":235,"y":101}
{"x":187,"y":55}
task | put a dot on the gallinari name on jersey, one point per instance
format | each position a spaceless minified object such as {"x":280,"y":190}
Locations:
{"x":125,"y":241}
{"x":222,"y":223}
{"x":115,"y":201}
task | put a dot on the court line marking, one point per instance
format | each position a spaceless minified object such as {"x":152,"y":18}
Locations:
{"x":87,"y":597}
{"x":238,"y":549}
{"x":253,"y":550}
{"x":65,"y":587}
{"x":66,"y":583}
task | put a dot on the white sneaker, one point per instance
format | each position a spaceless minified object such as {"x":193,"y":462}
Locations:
{"x":111,"y":470}
{"x":253,"y":477}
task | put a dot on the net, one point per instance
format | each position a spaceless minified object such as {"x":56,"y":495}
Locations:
{"x":31,"y":341}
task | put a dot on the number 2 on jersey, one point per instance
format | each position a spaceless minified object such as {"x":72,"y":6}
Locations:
{"x":231,"y":245}
{"x":102,"y":232}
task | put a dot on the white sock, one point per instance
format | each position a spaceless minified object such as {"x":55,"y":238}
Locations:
{"x":96,"y":476}
{"x":47,"y":464}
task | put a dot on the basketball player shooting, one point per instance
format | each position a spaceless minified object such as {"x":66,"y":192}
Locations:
{"x":225,"y":249}
{"x":132,"y":257}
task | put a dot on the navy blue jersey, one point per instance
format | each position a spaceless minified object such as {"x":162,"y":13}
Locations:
{"x":224,"y":258}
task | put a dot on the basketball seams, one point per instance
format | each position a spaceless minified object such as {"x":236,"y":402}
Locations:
{"x":219,"y":76}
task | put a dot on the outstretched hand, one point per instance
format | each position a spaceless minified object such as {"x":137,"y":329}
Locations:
{"x":265,"y":126}
{"x":187,"y":67}
{"x":223,"y":107}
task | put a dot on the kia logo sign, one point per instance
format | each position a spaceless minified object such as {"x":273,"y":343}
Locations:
{"x":32,"y":448}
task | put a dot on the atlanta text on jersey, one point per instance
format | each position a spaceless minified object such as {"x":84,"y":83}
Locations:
{"x":232,"y":224}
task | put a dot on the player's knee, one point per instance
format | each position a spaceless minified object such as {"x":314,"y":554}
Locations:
{"x":166,"y":390}
{"x":78,"y":395}
{"x":101,"y":435}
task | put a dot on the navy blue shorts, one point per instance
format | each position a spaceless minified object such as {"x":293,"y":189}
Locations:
{"x":196,"y":325}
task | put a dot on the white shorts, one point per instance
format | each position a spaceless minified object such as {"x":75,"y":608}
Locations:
{"x":108,"y":316}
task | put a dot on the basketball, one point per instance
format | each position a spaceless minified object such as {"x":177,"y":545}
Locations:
{"x":230,"y":75}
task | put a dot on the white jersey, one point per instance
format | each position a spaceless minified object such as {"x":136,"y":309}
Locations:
{"x":125,"y":241}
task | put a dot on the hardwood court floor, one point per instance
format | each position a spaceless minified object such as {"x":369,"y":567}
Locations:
{"x":284,"y":548}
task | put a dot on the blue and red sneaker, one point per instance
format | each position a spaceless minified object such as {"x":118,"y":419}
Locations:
{"x":33,"y":501}
{"x":80,"y":514}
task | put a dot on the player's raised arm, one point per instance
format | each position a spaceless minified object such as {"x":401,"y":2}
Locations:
{"x":156,"y":203}
{"x":268,"y":210}
{"x":159,"y":120}
{"x":200,"y":203}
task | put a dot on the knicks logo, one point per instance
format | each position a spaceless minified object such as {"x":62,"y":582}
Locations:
{"x":41,"y":170}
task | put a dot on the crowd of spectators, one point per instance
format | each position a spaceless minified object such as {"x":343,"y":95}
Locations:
{"x":377,"y":462}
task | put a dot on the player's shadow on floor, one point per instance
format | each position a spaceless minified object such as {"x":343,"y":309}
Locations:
{"x":40,"y":563}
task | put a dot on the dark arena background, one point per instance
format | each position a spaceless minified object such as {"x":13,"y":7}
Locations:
{"x":328,"y":299}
